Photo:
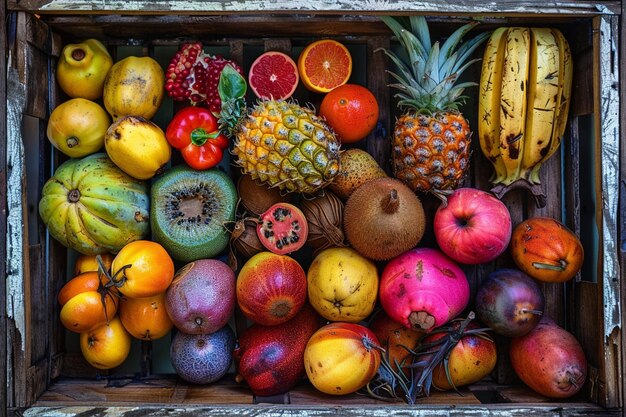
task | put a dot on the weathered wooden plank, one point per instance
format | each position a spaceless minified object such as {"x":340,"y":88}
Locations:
{"x":608,"y":140}
{"x":3,"y":204}
{"x":121,"y":391}
{"x":305,"y":394}
{"x":327,"y":6}
{"x":492,"y":410}
{"x":622,"y":194}
{"x":17,"y":283}
{"x":377,"y":64}
{"x":552,"y":186}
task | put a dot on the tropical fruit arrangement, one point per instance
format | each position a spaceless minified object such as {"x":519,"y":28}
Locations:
{"x":319,"y":249}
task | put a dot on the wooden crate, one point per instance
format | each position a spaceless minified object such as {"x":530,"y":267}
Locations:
{"x":44,"y":372}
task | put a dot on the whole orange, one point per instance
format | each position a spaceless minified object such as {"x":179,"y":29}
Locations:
{"x":351,"y":110}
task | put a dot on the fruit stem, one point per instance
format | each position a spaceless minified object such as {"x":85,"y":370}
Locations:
{"x":390,"y":203}
{"x":71,"y":141}
{"x":73,"y":196}
{"x":535,"y":312}
{"x":559,"y":268}
{"x":78,"y":54}
{"x":369,"y":344}
{"x":199,"y":136}
{"x":113,"y":281}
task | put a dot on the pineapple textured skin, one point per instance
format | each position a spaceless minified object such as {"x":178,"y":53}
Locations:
{"x":431,"y":152}
{"x":285,"y":145}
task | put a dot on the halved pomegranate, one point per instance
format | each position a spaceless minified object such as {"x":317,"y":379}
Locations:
{"x":194,"y":75}
{"x":282,"y":229}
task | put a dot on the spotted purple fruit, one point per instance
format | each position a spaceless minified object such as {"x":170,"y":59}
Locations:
{"x":203,"y":358}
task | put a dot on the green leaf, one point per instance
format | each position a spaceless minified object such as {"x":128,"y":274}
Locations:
{"x":468,"y":48}
{"x":231,"y":85}
{"x":449,"y":46}
{"x":419,"y":27}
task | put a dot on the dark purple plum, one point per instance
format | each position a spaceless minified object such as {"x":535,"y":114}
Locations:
{"x":203,"y":358}
{"x":201,"y":298}
{"x":509,"y":302}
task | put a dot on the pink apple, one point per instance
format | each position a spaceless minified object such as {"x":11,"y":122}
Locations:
{"x":474,"y":228}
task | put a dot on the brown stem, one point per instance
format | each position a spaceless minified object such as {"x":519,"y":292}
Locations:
{"x":535,"y":189}
{"x":71,"y":141}
{"x":78,"y":54}
{"x":391,"y":202}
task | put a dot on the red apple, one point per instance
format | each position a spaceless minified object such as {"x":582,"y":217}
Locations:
{"x":474,"y":227}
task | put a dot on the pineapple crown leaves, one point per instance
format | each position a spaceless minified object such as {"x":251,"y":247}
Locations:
{"x":428,"y":73}
{"x":232,"y":89}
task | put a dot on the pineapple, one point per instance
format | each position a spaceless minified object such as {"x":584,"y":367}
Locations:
{"x":280,"y":143}
{"x":431,"y":139}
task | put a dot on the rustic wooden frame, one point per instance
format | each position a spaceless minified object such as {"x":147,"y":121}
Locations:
{"x":444,"y":7}
{"x":3,"y":206}
{"x":28,"y":381}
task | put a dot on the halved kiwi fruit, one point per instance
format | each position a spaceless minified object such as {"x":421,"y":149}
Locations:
{"x":188,"y":211}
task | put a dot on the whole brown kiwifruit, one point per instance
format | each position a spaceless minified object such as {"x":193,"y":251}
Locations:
{"x":383,"y":218}
{"x":257,"y":198}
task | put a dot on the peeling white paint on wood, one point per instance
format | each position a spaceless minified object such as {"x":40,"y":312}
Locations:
{"x":425,"y":410}
{"x":15,"y":297}
{"x":609,"y":137}
{"x":473,"y":7}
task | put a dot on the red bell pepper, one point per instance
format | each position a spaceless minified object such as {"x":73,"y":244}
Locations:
{"x":194,"y":131}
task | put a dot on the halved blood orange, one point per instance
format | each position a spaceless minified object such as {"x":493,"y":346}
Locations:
{"x":273,"y":75}
{"x":324,"y":65}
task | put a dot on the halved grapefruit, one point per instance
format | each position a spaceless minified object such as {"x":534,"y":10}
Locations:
{"x":273,"y":75}
{"x":324,"y":65}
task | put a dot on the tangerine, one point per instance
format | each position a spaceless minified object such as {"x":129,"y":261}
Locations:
{"x":324,"y":65}
{"x":351,"y":110}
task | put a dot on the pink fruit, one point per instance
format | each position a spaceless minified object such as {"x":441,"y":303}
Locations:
{"x":474,"y":227}
{"x":273,"y":76}
{"x":283,"y":228}
{"x":201,"y":298}
{"x":194,"y":75}
{"x":423,"y":288}
{"x":549,"y":360}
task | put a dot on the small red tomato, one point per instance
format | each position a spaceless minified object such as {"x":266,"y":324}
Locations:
{"x":546,"y":250}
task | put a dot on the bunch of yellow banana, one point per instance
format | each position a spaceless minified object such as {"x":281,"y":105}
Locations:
{"x":525,"y":89}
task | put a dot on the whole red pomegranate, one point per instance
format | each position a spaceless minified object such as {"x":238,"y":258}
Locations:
{"x":271,"y":288}
{"x":474,"y":227}
{"x":423,"y":288}
{"x":194,"y":75}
